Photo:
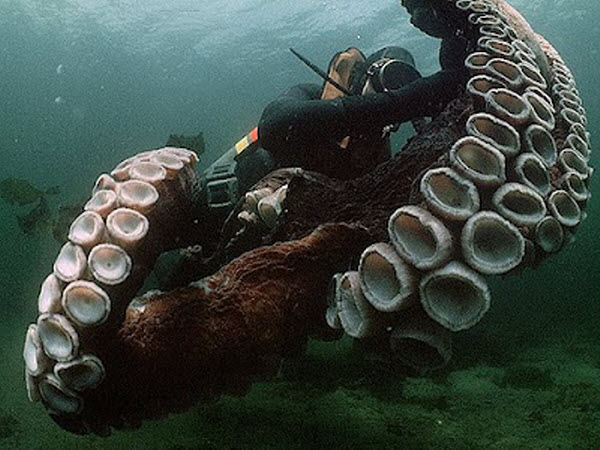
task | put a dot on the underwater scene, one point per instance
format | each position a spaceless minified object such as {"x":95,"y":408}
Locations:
{"x":384,"y":238}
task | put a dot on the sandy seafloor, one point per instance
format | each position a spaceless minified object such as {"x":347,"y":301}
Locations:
{"x":527,"y":376}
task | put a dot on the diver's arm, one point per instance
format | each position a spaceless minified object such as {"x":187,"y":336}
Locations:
{"x":424,"y":97}
{"x":288,"y":121}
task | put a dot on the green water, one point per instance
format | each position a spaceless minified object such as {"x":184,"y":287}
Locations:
{"x":84,"y":84}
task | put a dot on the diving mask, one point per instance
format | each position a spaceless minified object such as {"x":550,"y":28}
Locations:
{"x":387,"y":74}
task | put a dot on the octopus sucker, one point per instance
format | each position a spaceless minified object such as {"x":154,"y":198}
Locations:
{"x":520,"y":204}
{"x":495,"y":131}
{"x":420,"y":237}
{"x":357,"y":316}
{"x":530,"y":170}
{"x":454,"y":296}
{"x":540,"y":142}
{"x":85,"y":303}
{"x":420,"y":342}
{"x":496,"y":182}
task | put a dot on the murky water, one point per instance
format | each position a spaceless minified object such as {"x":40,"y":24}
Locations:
{"x":84,"y":84}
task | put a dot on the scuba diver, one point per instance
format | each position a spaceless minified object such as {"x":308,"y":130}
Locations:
{"x":343,"y":132}
{"x":342,"y":128}
{"x":311,"y":126}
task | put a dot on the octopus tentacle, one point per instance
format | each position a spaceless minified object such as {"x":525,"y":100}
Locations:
{"x":112,"y":247}
{"x":215,"y":336}
{"x":506,"y":194}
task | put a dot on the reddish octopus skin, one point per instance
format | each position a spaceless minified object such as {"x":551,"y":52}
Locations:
{"x":233,"y":328}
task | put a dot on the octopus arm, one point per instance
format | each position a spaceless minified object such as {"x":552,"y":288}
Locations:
{"x":216,"y":336}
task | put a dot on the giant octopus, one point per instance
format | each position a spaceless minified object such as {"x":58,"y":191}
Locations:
{"x":396,"y":258}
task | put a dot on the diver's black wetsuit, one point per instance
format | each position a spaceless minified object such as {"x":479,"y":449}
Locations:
{"x":300,"y":130}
